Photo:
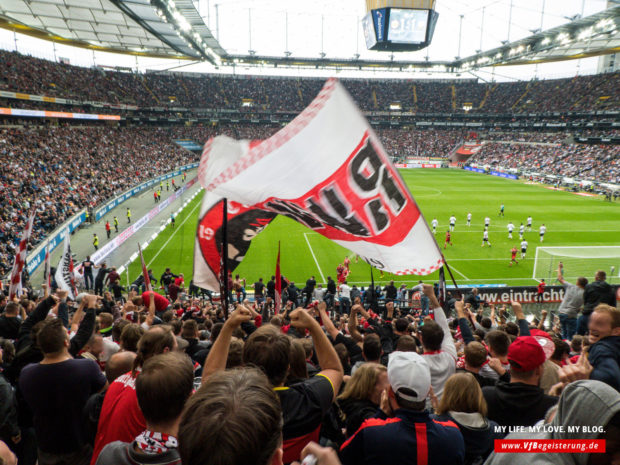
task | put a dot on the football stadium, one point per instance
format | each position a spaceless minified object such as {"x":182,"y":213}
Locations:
{"x":267,"y":232}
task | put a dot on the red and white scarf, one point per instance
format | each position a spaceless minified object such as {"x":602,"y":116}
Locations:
{"x":150,"y":442}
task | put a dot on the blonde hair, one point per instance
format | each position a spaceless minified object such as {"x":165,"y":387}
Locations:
{"x":462,"y":393}
{"x":613,"y":313}
{"x":362,"y":384}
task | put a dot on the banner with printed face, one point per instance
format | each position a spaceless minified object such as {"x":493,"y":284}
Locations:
{"x":65,"y":278}
{"x":328,"y":171}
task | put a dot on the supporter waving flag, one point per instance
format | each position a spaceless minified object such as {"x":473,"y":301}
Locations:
{"x":334,"y":177}
{"x":145,"y":272}
{"x":15,"y":288}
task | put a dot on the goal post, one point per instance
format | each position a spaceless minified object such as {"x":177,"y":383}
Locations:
{"x":577,"y":261}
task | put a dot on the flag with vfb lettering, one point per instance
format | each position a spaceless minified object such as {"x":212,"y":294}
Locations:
{"x":65,"y":277}
{"x":278,"y":296}
{"x":328,"y":171}
{"x":145,"y":272}
{"x":15,"y":289}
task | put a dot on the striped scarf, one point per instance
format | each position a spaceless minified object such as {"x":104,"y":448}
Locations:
{"x":150,"y":442}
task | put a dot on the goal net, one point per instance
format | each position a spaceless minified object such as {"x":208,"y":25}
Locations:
{"x":576,"y":261}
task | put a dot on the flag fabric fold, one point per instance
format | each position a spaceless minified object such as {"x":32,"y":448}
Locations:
{"x":65,"y":277}
{"x":47,"y":267}
{"x":15,"y":288}
{"x":333,"y":176}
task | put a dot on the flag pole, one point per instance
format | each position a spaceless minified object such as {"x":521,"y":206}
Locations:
{"x":445,"y":262}
{"x":224,"y":287}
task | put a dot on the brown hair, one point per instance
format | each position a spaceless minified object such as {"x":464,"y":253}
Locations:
{"x":235,"y":353}
{"x":117,"y":329}
{"x":153,"y":342}
{"x":105,"y":320}
{"x":270,"y":350}
{"x":164,"y":385}
{"x":475,"y":354}
{"x":130,"y":335}
{"x":498,"y":341}
{"x":52,"y":336}
{"x":297,"y":364}
{"x":371,"y":347}
{"x":462,"y":393}
{"x":190,"y":327}
{"x":406,"y":344}
{"x":432,"y":335}
{"x":362,"y":384}
{"x":576,"y":343}
{"x":235,"y":418}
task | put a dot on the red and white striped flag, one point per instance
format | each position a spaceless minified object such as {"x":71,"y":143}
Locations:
{"x":20,"y":259}
{"x":145,"y":272}
{"x":47,"y":268}
{"x":278,"y":300}
{"x":334,"y":177}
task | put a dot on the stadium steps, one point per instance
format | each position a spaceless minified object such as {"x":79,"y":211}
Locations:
{"x":221,"y":86}
{"x":185,"y":89}
{"x":486,"y":96}
{"x":453,"y":90}
{"x":149,"y":90}
{"x":374,"y":99}
{"x":415,"y":97}
{"x":527,"y":89}
{"x":300,"y":93}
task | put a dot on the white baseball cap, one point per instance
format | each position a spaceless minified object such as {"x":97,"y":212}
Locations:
{"x":409,"y":370}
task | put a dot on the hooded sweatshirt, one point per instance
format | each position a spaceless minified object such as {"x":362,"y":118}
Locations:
{"x":604,"y":356}
{"x":583,"y":403}
{"x":517,"y":404}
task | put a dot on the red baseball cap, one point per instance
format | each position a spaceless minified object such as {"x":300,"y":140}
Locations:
{"x":525,"y":354}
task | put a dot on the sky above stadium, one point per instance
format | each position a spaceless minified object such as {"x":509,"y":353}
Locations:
{"x":309,"y":28}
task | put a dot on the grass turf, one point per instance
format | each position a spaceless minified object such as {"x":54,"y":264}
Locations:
{"x":571,"y":220}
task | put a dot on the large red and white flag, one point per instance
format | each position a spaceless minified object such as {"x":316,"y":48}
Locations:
{"x":145,"y":272}
{"x":278,"y":296}
{"x":15,"y":289}
{"x":328,"y":171}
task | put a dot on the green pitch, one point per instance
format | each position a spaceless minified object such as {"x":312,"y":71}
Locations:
{"x":571,"y":220}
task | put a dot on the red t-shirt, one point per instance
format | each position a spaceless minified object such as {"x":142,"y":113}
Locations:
{"x":447,"y":237}
{"x":179,"y":281}
{"x":513,"y":253}
{"x":121,"y":418}
{"x":541,"y":288}
{"x":161,"y":303}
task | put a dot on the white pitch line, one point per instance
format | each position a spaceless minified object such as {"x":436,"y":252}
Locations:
{"x":314,"y":256}
{"x":172,"y":235}
{"x":465,"y":277}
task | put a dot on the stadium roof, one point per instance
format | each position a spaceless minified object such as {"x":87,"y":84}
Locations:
{"x":121,"y":26}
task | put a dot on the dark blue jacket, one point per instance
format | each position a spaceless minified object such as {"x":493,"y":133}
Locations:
{"x":409,"y":438}
{"x":604,"y":356}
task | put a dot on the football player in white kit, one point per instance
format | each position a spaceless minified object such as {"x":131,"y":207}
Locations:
{"x":511,"y":228}
{"x":542,"y":231}
{"x":452,"y":222}
{"x":434,"y":224}
{"x":523,"y":248}
{"x":469,"y":219}
{"x":485,"y":238}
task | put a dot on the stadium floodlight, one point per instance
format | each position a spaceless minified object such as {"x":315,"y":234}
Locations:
{"x":576,"y":261}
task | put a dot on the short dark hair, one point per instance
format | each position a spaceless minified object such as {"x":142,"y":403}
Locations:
{"x":406,"y":344}
{"x":371,"y":347}
{"x":190,"y":327}
{"x":561,"y":349}
{"x":432,"y":335}
{"x":512,"y":328}
{"x":153,"y":342}
{"x":270,"y":350}
{"x":581,"y":281}
{"x":12,"y":308}
{"x":117,"y":329}
{"x":486,"y":322}
{"x":52,"y":336}
{"x":475,"y":354}
{"x":401,"y":324}
{"x":130,"y":335}
{"x":408,"y":404}
{"x":164,"y":385}
{"x":498,"y":341}
{"x":234,"y":418}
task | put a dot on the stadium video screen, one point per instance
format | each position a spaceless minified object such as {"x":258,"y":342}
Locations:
{"x":407,"y":26}
{"x":369,"y":31}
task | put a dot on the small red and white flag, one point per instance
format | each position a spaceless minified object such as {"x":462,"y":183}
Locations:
{"x":15,"y":288}
{"x":334,"y":177}
{"x":145,"y":272}
{"x":278,"y":296}
{"x":65,"y":277}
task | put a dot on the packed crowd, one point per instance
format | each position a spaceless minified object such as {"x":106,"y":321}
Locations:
{"x":61,"y":170}
{"x":148,"y":378}
{"x":600,"y":163}
{"x":26,"y":74}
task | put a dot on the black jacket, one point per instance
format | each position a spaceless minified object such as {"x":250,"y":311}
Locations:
{"x":355,"y":412}
{"x":517,"y":404}
{"x":597,"y":292}
{"x":604,"y":356}
{"x":9,"y":326}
